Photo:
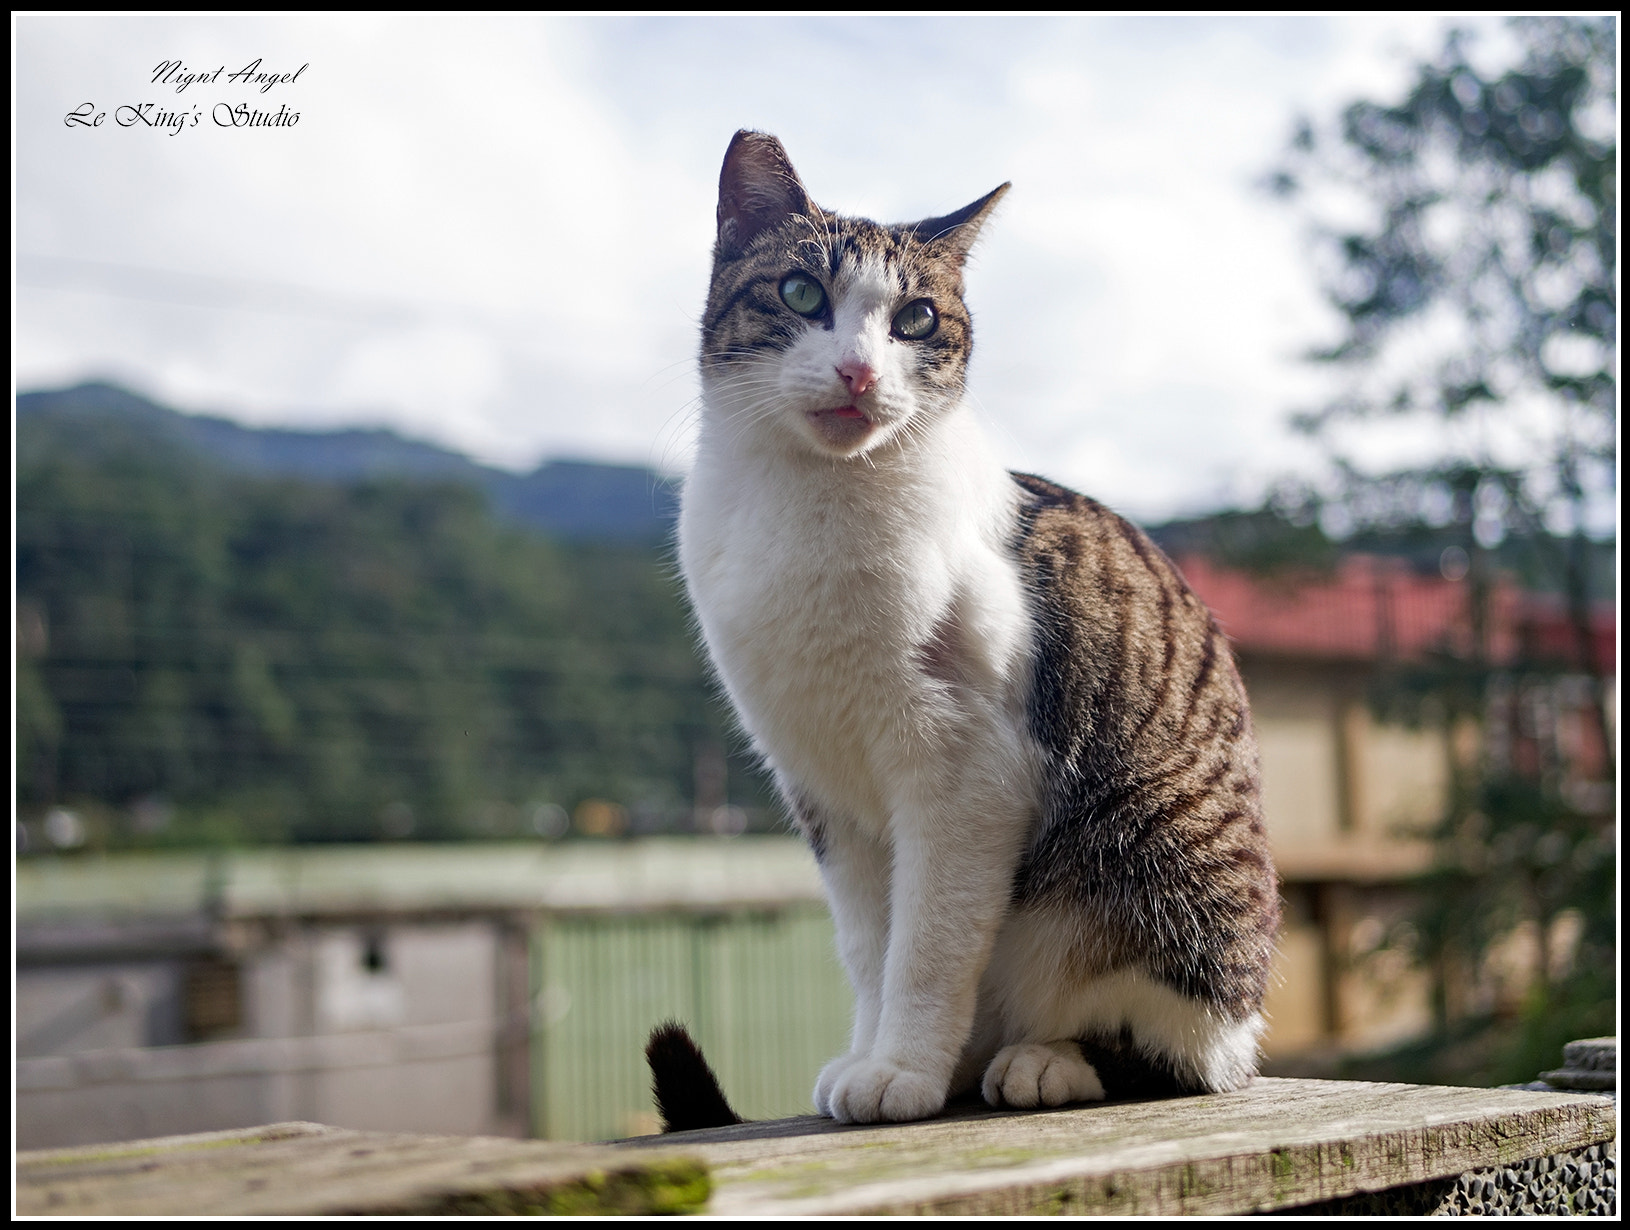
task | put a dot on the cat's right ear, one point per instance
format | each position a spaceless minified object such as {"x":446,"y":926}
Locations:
{"x":955,"y":233}
{"x":758,"y":189}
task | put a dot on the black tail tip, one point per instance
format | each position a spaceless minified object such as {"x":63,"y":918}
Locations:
{"x":687,"y":1093}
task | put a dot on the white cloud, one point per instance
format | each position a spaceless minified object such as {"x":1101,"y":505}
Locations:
{"x":494,"y":231}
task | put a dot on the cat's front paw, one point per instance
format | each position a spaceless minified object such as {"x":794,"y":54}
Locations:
{"x":828,"y":1080}
{"x":874,"y":1091}
{"x":1041,"y":1074}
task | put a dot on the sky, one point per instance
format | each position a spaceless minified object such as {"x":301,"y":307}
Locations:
{"x":494,"y":232}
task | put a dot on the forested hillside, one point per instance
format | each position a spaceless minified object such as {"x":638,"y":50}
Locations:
{"x":565,"y":499}
{"x":208,"y":654}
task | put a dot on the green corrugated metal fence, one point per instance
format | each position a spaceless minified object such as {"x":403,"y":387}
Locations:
{"x":762,"y":992}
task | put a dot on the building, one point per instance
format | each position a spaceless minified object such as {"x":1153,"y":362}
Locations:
{"x":1350,"y":796}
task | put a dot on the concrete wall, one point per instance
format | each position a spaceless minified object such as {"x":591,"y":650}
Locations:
{"x":436,"y":1079}
{"x":383,"y":1025}
{"x":98,"y":1006}
{"x":1330,"y":771}
{"x":1340,"y":790}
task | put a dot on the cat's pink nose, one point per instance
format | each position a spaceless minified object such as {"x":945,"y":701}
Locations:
{"x":858,"y":376}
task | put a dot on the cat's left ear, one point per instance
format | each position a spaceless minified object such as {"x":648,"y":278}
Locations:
{"x":758,"y":189}
{"x":954,"y":234}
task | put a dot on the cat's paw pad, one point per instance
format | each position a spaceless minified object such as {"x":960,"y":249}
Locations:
{"x":874,"y":1091}
{"x":1041,"y":1074}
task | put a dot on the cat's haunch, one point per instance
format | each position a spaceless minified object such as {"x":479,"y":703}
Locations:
{"x":1015,"y":739}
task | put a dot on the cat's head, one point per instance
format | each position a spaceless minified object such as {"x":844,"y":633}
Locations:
{"x":837,"y":333}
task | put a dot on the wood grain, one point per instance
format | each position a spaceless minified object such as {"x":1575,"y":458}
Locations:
{"x":1278,"y":1144}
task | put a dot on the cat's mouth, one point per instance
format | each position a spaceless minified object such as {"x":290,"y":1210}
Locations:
{"x":842,"y":427}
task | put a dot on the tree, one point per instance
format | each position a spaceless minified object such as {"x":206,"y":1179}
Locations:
{"x":208,"y":656}
{"x":1465,"y":238}
{"x":1466,"y":241}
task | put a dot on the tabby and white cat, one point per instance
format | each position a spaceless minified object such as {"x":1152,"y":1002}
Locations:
{"x":1014,"y":738}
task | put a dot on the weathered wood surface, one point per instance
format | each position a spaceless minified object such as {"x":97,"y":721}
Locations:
{"x":1278,"y":1144}
{"x":294,"y":1169}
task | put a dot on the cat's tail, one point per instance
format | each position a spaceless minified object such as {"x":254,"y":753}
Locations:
{"x":686,"y":1091}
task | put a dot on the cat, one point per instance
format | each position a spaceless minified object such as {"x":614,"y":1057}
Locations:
{"x":1015,"y":740}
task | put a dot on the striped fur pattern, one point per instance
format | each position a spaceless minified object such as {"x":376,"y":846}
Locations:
{"x":1152,"y":765}
{"x":1014,"y":738}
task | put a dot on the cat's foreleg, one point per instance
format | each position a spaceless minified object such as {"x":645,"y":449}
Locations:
{"x":951,"y":878}
{"x":855,"y":871}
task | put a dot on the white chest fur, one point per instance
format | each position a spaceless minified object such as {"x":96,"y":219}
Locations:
{"x":864,"y":614}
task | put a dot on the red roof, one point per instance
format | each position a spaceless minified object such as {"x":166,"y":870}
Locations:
{"x":1376,"y":607}
{"x":1548,"y":634}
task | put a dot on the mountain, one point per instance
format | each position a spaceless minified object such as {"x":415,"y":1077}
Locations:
{"x":575,"y":500}
{"x":583,"y":501}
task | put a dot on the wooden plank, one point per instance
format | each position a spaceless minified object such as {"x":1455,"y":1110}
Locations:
{"x":295,"y":1169}
{"x":1278,"y":1144}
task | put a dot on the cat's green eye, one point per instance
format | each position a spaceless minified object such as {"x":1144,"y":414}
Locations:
{"x":803,"y":294}
{"x":916,"y":320}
